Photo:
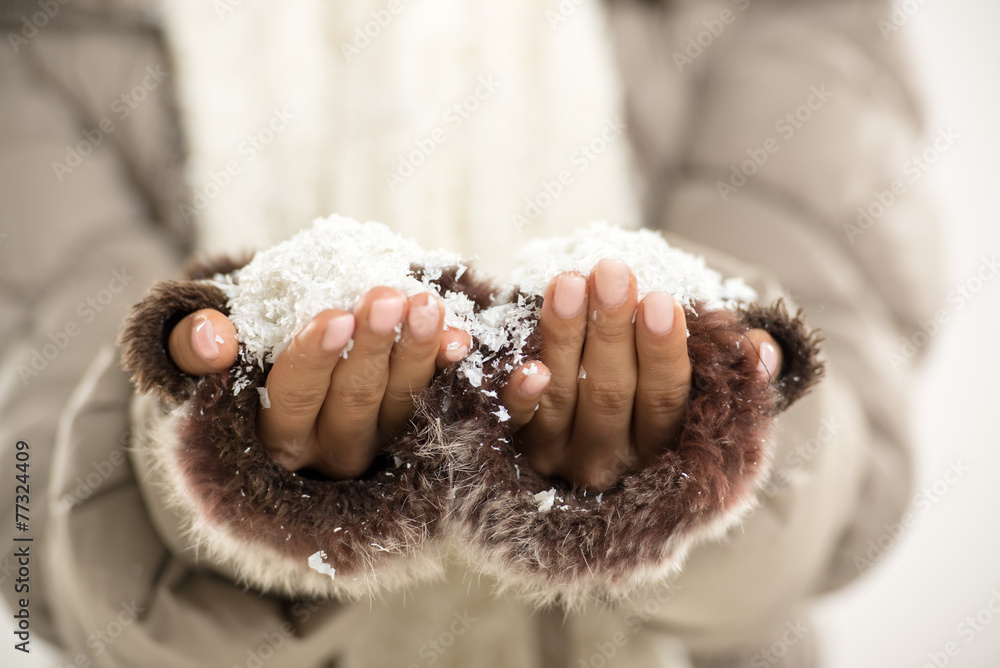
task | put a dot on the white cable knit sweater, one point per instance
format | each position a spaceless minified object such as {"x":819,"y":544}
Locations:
{"x":468,"y":125}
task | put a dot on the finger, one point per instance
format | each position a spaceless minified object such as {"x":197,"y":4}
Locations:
{"x":521,"y":395}
{"x":412,"y":362}
{"x":351,"y":409}
{"x":563,"y":323}
{"x":454,"y":347}
{"x":602,"y":426}
{"x":203,"y":343}
{"x":664,"y":381}
{"x":297,"y":386}
{"x":768,"y":352}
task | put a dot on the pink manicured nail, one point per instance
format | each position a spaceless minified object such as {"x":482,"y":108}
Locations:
{"x":534,"y":383}
{"x":338,"y":332}
{"x":768,"y":359}
{"x":612,"y":283}
{"x":424,"y":319}
{"x":385,"y":314}
{"x":658,"y":313}
{"x":203,"y":339}
{"x":569,"y":295}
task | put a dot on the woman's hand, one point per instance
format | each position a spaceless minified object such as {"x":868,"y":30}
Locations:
{"x":610,"y":391}
{"x":326,"y":412}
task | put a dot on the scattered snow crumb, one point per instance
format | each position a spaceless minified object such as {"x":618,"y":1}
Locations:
{"x":397,"y":462}
{"x":247,"y":450}
{"x":338,"y":529}
{"x":600,"y":496}
{"x":316,"y":563}
{"x":502,"y":414}
{"x":545,"y":500}
{"x":265,"y":400}
{"x":219,"y":339}
{"x":517,"y":470}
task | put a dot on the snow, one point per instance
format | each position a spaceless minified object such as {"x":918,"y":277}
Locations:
{"x":336,"y":261}
{"x":545,"y":500}
{"x":316,"y":563}
{"x":265,"y":400}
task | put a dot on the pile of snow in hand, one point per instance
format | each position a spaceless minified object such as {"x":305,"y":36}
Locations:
{"x":336,"y":261}
{"x":658,"y":266}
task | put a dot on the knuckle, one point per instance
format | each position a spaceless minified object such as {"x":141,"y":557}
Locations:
{"x":608,"y":397}
{"x":564,"y":335}
{"x":665,"y":401}
{"x":400,"y":394}
{"x":612,"y":331}
{"x":359,"y":396}
{"x":297,"y":403}
{"x":558,"y":399}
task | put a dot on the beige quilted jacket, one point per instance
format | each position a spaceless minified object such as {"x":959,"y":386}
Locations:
{"x":773,"y":146}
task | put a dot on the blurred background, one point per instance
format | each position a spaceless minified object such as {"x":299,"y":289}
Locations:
{"x":945,"y":569}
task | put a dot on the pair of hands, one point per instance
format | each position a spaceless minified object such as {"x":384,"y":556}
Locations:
{"x":608,"y":395}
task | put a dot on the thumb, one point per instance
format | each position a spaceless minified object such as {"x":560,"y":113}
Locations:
{"x":203,"y":343}
{"x":768,"y":354}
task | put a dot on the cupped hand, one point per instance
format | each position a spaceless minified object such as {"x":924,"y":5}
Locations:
{"x":612,"y":385}
{"x":326,"y":412}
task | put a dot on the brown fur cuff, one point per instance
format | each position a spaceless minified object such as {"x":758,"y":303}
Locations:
{"x":589,"y":545}
{"x":243,"y":507}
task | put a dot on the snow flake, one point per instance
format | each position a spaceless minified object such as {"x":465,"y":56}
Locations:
{"x":317,"y":564}
{"x":545,"y":500}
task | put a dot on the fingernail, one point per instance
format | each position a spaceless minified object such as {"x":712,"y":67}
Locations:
{"x":534,"y":383}
{"x":203,"y":340}
{"x":612,"y":282}
{"x":455,"y":351}
{"x":658,"y":313}
{"x":569,"y":296}
{"x":768,"y":359}
{"x":424,"y":319}
{"x":385,"y":314}
{"x":338,"y":332}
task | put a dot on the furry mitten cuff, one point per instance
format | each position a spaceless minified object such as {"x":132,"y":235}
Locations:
{"x":455,"y":470}
{"x":549,"y":542}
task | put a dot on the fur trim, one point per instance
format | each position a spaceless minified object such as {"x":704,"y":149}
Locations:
{"x":146,"y":331}
{"x":589,"y":547}
{"x":455,"y":471}
{"x":243,"y":508}
{"x":801,"y":368}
